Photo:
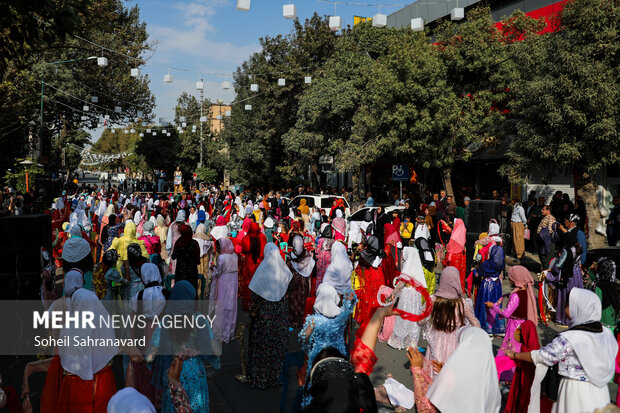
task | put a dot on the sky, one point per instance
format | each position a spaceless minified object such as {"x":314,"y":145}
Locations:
{"x":213,"y":36}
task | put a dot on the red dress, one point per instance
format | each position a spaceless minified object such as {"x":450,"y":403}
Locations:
{"x":459,"y":261}
{"x":371,"y":279}
{"x":247,"y":263}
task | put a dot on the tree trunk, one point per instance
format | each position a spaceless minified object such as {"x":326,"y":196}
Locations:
{"x":314,"y":176}
{"x":357,"y":190}
{"x":585,"y":187}
{"x":447,"y":179}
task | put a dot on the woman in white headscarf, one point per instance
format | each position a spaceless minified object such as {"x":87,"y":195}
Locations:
{"x":325,"y":328}
{"x":223,"y":299}
{"x":174,"y":233}
{"x":268,"y":341}
{"x":406,"y":333}
{"x":467,"y":382}
{"x":338,"y":273}
{"x":301,"y":264}
{"x":161,"y":230}
{"x":130,"y":400}
{"x":585,"y":353}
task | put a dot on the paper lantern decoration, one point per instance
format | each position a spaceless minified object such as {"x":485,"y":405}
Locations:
{"x":126,"y":131}
{"x":457,"y":13}
{"x":225,"y":85}
{"x":133,"y":131}
{"x":168,"y":134}
{"x":379,"y":20}
{"x":308,"y":79}
{"x":243,"y":5}
{"x":85,"y":108}
{"x":417,"y":24}
{"x":84,"y":118}
{"x":248,"y":107}
{"x":141,"y":135}
{"x":148,"y":131}
{"x":184,"y":124}
{"x":163,"y":131}
{"x":181,"y":118}
{"x":289,"y":11}
{"x":227,"y":113}
{"x":179,"y":128}
{"x":154,"y":133}
{"x":219,"y":117}
{"x":94,"y":99}
{"x":112,"y":131}
{"x":135,"y":72}
{"x":335,"y":23}
{"x":117,"y":109}
{"x":140,"y":113}
{"x":102,"y":61}
{"x":203,"y":118}
{"x":200,"y":85}
{"x":168,"y":78}
{"x":106,"y":117}
{"x":281,"y":82}
{"x":254,"y":87}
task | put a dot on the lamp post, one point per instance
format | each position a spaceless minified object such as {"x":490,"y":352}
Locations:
{"x":101,"y":61}
{"x":27,"y":163}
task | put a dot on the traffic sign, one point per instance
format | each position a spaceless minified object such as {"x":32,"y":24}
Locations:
{"x":400,"y":172}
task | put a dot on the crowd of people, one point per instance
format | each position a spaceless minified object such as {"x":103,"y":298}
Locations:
{"x":397,"y":277}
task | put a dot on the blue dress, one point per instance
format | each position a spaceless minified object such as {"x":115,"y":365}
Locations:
{"x":193,"y":378}
{"x":490,"y":290}
{"x":327,"y":332}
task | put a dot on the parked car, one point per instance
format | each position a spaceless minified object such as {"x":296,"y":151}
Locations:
{"x":323,"y":202}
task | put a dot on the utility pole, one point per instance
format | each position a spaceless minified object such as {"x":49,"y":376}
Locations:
{"x":201,"y":115}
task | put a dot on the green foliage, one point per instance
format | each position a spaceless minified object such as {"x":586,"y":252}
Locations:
{"x":566,"y":101}
{"x":17,"y":174}
{"x":207,"y":175}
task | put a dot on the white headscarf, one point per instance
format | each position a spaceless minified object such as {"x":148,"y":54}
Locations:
{"x":272,"y":276}
{"x":75,"y":249}
{"x":454,"y":390}
{"x":129,"y":400}
{"x":74,"y":279}
{"x":421,"y":231}
{"x":101,"y":209}
{"x":596,"y":351}
{"x":137,"y":217}
{"x":153,"y":300}
{"x":86,"y":361}
{"x":412,"y":265}
{"x":494,"y":232}
{"x":269,"y":222}
{"x":338,"y":273}
{"x":220,"y":231}
{"x":303,"y":265}
{"x":338,"y":213}
{"x":327,"y":300}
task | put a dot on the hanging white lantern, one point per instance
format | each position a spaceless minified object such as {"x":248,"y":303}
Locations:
{"x":133,"y":131}
{"x":106,"y":117}
{"x":94,"y":99}
{"x":112,"y":130}
{"x":457,"y":13}
{"x":248,"y":107}
{"x":179,"y":128}
{"x":227,"y":113}
{"x":117,"y":109}
{"x":148,"y":131}
{"x":163,"y":131}
{"x":141,"y":135}
{"x":140,"y":113}
{"x":243,"y":5}
{"x":168,"y":78}
{"x":84,"y":117}
{"x":126,"y":131}
{"x":281,"y":82}
{"x":379,"y":20}
{"x":135,"y":72}
{"x":289,"y":11}
{"x":308,"y":79}
{"x":168,"y":134}
{"x":184,"y":124}
{"x":225,"y":85}
{"x":417,"y":24}
{"x":254,"y":87}
{"x":219,"y":117}
{"x":182,"y":119}
{"x":154,"y":133}
{"x":102,"y":61}
{"x":335,"y":23}
{"x":85,"y":108}
{"x":203,"y":118}
{"x":200,"y":85}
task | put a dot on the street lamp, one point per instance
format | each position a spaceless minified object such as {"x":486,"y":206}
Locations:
{"x":27,"y":163}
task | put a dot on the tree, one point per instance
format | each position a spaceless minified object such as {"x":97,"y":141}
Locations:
{"x":566,"y":105}
{"x":188,"y":107}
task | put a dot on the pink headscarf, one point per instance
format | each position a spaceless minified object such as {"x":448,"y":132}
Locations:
{"x":340,"y":225}
{"x":456,"y":245}
{"x":221,"y":220}
{"x":522,"y":278}
{"x":449,"y":284}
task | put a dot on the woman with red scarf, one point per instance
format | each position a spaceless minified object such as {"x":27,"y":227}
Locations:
{"x":369,"y":272}
{"x":455,"y":256}
{"x":519,"y":396}
{"x":252,"y":247}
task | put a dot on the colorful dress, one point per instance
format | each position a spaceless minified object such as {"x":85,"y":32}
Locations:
{"x":370,"y":279}
{"x":299,"y":290}
{"x":490,"y":290}
{"x":323,"y":259}
{"x":576,"y":281}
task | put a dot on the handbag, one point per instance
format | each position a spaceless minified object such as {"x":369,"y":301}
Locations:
{"x":550,"y":384}
{"x":526,"y":234}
